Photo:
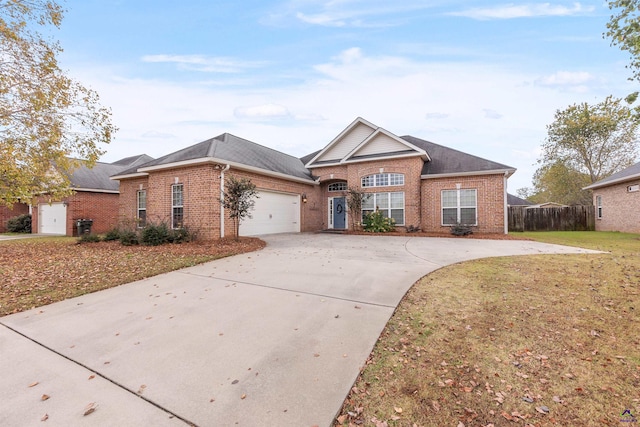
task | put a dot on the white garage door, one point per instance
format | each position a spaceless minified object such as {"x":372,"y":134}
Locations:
{"x":273,"y":213}
{"x":52,"y":218}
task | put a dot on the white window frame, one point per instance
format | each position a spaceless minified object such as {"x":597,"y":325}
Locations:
{"x":458,"y":206}
{"x":598,"y":207}
{"x":142,"y":222}
{"x":382,"y":180}
{"x":373,"y":203}
{"x":177,"y":204}
{"x":337,"y":186}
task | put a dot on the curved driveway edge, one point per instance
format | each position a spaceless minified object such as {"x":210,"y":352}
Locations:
{"x":275,"y":337}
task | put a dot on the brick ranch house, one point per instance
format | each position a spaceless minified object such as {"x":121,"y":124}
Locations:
{"x":95,"y":197}
{"x":416,"y":182}
{"x":617,"y":201}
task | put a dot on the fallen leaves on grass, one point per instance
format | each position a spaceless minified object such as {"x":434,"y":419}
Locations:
{"x":36,"y":272}
{"x":535,"y":341}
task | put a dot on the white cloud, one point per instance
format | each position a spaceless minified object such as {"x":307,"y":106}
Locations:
{"x":576,"y":81}
{"x":444,"y":102}
{"x":204,"y":63}
{"x":491,"y":114}
{"x":436,"y":116}
{"x":346,"y":13}
{"x":265,"y":111}
{"x":158,"y":135}
{"x":529,"y":10}
{"x":321,"y":19}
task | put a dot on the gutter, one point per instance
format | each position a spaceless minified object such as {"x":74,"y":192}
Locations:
{"x":506,"y":172}
{"x":226,"y":168}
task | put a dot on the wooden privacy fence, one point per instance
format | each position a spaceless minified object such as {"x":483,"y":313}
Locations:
{"x":570,"y":218}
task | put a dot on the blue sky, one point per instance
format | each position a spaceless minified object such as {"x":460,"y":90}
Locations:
{"x":484,"y":77}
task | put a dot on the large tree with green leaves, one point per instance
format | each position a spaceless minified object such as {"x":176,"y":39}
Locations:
{"x":558,"y":183}
{"x":624,"y":30}
{"x":584,"y":144}
{"x":46,"y":118}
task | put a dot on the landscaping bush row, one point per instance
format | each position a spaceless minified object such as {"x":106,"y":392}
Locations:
{"x":151,"y":235}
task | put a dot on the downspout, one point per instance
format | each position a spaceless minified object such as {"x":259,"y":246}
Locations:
{"x":506,"y":208}
{"x":226,"y":168}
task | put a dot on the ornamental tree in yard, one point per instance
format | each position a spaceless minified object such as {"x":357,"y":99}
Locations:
{"x":238,"y":198}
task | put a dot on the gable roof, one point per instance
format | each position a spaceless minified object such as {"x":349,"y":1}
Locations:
{"x":446,"y":161}
{"x":362,"y":141}
{"x":628,"y":174}
{"x":98,"y":179}
{"x":227,"y":149}
{"x":133,"y":160}
{"x":513,"y":200}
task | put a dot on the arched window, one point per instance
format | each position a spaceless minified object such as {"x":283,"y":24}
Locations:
{"x":338,"y":186}
{"x":382,"y":180}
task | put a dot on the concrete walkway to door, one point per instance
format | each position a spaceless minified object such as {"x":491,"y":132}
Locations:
{"x":275,"y":337}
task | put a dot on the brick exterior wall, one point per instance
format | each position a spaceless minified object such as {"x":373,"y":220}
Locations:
{"x":8,"y":213}
{"x":490,"y":202}
{"x":620,"y":208}
{"x":353,"y":173}
{"x":102,"y":208}
{"x":201,"y":193}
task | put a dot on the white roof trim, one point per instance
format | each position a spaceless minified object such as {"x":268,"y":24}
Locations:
{"x":206,"y":160}
{"x":322,"y":165}
{"x":357,"y":121}
{"x":379,"y":131}
{"x":130,"y":175}
{"x":507,"y":172}
{"x":95,"y":190}
{"x":390,"y":156}
{"x":612,"y":182}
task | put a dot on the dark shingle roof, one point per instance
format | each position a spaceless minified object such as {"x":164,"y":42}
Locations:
{"x":98,"y":177}
{"x":446,"y":160}
{"x":629,"y":173}
{"x":237,"y":150}
{"x":306,"y":159}
{"x":95,"y":178}
{"x":517,"y":201}
{"x":133,"y":160}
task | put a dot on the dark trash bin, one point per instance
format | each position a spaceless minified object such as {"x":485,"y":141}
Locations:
{"x":84,"y":226}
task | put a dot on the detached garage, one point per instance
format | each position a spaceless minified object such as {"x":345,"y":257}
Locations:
{"x":273,"y":213}
{"x":95,"y":197}
{"x":52,"y":218}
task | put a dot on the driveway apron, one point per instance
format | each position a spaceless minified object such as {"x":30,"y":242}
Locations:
{"x":275,"y":337}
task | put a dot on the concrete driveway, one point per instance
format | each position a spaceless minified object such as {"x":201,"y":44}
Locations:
{"x":275,"y":337}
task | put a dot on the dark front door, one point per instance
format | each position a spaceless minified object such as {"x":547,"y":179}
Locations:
{"x":339,"y":212}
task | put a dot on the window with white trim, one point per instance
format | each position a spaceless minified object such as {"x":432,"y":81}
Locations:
{"x":338,"y":186}
{"x":177,"y":206}
{"x":382,"y":180}
{"x":459,"y":207}
{"x":142,"y":208}
{"x":599,"y":207}
{"x":390,"y":204}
